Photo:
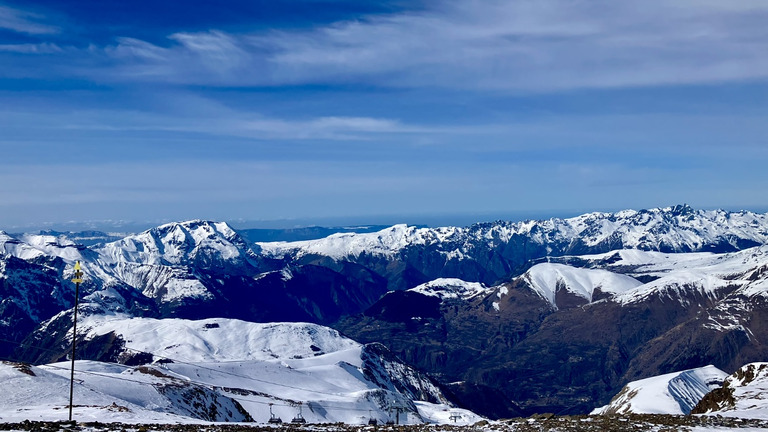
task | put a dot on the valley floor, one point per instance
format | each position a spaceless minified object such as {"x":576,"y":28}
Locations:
{"x":630,"y":423}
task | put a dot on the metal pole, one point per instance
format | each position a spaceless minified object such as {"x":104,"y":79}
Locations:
{"x":77,"y":279}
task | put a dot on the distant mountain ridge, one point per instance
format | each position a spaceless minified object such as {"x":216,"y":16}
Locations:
{"x":492,"y":252}
{"x":254,"y":235}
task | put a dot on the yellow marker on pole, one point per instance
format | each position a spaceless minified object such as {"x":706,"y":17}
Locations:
{"x":77,"y":278}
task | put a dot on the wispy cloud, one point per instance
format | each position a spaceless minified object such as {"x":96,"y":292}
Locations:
{"x":22,"y":21}
{"x":523,"y":45}
{"x":193,"y":114}
{"x":41,"y":48}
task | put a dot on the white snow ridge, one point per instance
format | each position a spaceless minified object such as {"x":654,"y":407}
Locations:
{"x":547,"y":278}
{"x":674,"y":393}
{"x":450,"y":288}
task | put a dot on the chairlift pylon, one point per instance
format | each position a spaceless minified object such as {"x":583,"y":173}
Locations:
{"x":299,"y":418}
{"x":372,"y":421}
{"x":390,"y":421}
{"x":272,"y":417}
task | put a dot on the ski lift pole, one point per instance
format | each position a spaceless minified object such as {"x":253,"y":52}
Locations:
{"x":77,"y":278}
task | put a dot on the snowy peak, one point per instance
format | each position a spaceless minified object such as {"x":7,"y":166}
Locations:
{"x":671,"y":229}
{"x":553,"y":281}
{"x":753,"y":374}
{"x":14,"y":247}
{"x":386,"y":242}
{"x":31,"y":246}
{"x":450,"y":288}
{"x":177,"y":244}
{"x":679,"y":228}
{"x":680,"y":275}
{"x":674,"y":393}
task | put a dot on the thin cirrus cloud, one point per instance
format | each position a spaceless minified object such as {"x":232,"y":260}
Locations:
{"x":29,"y":48}
{"x":543,"y":45}
{"x":193,"y":114}
{"x":24,"y":22}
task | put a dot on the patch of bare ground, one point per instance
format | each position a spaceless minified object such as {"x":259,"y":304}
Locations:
{"x":539,"y":423}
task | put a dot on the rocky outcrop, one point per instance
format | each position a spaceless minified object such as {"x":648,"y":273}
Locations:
{"x":743,"y":394}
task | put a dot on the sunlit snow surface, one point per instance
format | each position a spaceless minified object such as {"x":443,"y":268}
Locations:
{"x":750,"y":392}
{"x":707,"y":274}
{"x":644,"y":229}
{"x":42,"y":393}
{"x":254,"y":364}
{"x":545,"y":279}
{"x":675,"y":276}
{"x":450,"y":288}
{"x":673,"y":393}
{"x":213,"y":340}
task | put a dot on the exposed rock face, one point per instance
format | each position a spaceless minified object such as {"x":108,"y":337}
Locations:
{"x":385,"y":370}
{"x":743,"y":394}
{"x":30,"y":292}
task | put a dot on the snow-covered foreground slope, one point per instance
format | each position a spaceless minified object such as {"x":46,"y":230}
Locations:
{"x":105,"y":393}
{"x":674,"y":393}
{"x":297,"y":369}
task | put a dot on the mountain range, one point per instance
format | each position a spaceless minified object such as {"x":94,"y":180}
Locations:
{"x":509,"y":318}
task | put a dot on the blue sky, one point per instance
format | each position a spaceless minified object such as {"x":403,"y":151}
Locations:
{"x":378,"y":111}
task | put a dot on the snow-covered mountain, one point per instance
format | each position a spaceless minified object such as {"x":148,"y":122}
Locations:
{"x":615,"y":317}
{"x":450,"y":288}
{"x":676,"y":276}
{"x":621,"y":296}
{"x":673,"y":393}
{"x":678,"y":229}
{"x":179,"y":269}
{"x":237,"y":370}
{"x":555,"y":282}
{"x":216,"y":339}
{"x":501,"y":247}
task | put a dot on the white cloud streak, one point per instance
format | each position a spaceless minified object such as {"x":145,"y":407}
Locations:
{"x":188,"y":113}
{"x":41,"y":48}
{"x":24,"y":22}
{"x":522,"y":45}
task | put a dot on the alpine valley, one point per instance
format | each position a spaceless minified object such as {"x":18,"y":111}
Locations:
{"x":644,"y":311}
